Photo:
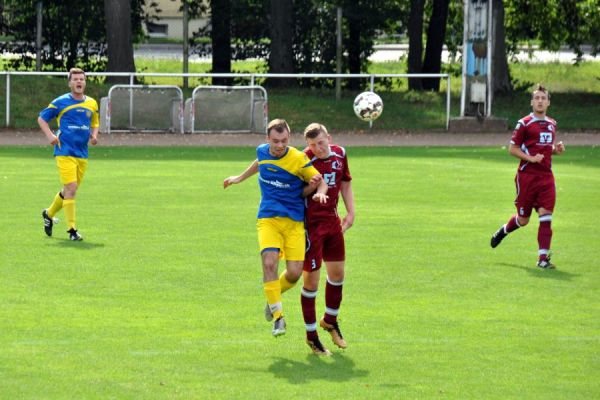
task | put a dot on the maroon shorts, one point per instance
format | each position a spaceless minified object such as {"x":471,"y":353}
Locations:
{"x":534,"y":191}
{"x":324,"y":241}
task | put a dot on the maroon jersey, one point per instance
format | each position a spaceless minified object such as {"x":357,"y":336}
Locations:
{"x":535,"y":136}
{"x":334,"y":170}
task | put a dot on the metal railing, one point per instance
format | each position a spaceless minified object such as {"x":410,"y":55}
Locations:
{"x":251,"y":76}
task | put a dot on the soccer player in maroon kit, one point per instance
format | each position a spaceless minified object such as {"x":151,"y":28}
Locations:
{"x":325,"y":236}
{"x":533,"y":142}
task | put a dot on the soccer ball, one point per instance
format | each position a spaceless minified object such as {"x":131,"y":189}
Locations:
{"x":368,"y":106}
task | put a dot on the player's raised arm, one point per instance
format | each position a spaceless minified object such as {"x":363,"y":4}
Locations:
{"x":348,"y":197}
{"x":251,"y":170}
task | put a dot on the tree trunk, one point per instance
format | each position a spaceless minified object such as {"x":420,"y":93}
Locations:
{"x":500,"y":73}
{"x":415,"y":43}
{"x":118,"y":38}
{"x":281,"y":57}
{"x":435,"y":44}
{"x":354,"y":21}
{"x":220,"y":36}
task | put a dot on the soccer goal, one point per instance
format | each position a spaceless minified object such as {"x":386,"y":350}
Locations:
{"x":227,"y":109}
{"x":142,"y":108}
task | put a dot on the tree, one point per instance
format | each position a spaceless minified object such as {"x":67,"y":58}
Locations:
{"x":415,"y":42}
{"x":501,"y":82}
{"x":220,"y":35}
{"x":281,"y":58}
{"x":119,"y":38}
{"x":436,"y":32}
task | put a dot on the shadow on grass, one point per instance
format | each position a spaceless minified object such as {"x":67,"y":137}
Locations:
{"x":556,"y":274}
{"x":337,"y":368}
{"x":82,"y":245}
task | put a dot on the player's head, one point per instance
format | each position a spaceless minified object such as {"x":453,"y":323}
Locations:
{"x":318,"y":139}
{"x":77,"y":81}
{"x":278,"y":137}
{"x":540,"y":99}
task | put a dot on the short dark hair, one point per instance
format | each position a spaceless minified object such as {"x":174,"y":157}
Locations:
{"x":280,"y":125}
{"x":313,"y":130}
{"x":76,"y":71}
{"x":540,"y":88}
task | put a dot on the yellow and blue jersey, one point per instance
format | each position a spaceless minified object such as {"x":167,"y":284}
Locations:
{"x":281,"y":181}
{"x":75,"y":119}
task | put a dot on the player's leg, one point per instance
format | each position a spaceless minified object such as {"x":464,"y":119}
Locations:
{"x":524,"y":207}
{"x":334,"y":253}
{"x":546,"y":199}
{"x":294,"y":242}
{"x":70,"y":175}
{"x":270,"y":243}
{"x":48,"y":214}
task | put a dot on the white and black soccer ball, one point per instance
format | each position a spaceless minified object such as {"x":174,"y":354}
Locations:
{"x":368,"y":106}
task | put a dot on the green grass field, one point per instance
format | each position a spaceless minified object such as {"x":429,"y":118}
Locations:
{"x":164,"y":298}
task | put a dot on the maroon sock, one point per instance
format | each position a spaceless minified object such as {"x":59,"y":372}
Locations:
{"x":333,"y":299}
{"x":309,"y":312}
{"x":512,"y":224}
{"x":544,"y":235}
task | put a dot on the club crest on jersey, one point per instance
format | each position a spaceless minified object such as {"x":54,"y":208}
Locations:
{"x":88,"y":114}
{"x":336,"y":165}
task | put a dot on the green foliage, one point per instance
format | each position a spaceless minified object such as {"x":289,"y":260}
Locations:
{"x":163,"y":299}
{"x":73,"y":33}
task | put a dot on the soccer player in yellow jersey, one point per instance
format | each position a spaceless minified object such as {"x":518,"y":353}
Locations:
{"x":283,"y":172}
{"x":77,"y":119}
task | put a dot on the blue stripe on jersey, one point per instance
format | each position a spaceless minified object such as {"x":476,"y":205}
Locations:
{"x":75,"y":118}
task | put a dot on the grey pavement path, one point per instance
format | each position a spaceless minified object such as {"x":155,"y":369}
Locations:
{"x":357,"y":138}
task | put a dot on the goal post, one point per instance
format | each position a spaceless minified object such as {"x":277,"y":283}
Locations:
{"x":142,"y":108}
{"x":239,"y":109}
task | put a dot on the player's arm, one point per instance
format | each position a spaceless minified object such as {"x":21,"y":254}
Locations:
{"x":94,"y":136}
{"x":321,"y":194}
{"x":52,"y":138}
{"x":251,"y":170}
{"x":558,"y":148}
{"x":312,"y":185}
{"x":516,"y":151}
{"x":348,"y":197}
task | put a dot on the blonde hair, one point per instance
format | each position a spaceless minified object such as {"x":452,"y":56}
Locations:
{"x":540,"y":88}
{"x":280,"y":125}
{"x":313,"y":130}
{"x":76,"y":71}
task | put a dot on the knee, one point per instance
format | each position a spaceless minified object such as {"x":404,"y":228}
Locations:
{"x":523,"y":220}
{"x":70,"y":189}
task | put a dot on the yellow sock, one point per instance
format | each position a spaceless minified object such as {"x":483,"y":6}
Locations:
{"x":284,"y":283}
{"x":56,"y":205}
{"x":69,"y":206}
{"x":273,"y":293}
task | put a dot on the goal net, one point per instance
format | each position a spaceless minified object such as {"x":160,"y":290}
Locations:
{"x":227,"y":109}
{"x":142,"y":108}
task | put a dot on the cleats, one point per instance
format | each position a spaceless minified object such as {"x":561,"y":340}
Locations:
{"x":279,"y":327}
{"x":546,"y":264}
{"x":268,"y":313}
{"x":74,"y":235}
{"x":497,"y":237}
{"x":334,"y":331}
{"x":317,"y":347}
{"x":48,"y":223}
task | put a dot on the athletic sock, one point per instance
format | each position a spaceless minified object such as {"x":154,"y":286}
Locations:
{"x":273,"y":293}
{"x":512,"y":224}
{"x":544,"y":236}
{"x":333,"y":299}
{"x":56,"y":205}
{"x":69,"y":207}
{"x":309,"y":312}
{"x":284,"y":283}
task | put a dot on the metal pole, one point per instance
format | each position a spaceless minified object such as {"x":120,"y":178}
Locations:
{"x":338,"y":55}
{"x":7,"y":99}
{"x":448,"y":98}
{"x":372,"y":89}
{"x":490,"y":54}
{"x":38,"y":38}
{"x":185,"y":42}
